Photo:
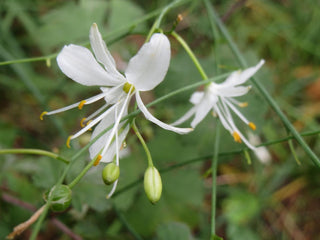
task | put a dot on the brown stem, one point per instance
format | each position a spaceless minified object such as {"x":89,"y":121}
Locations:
{"x":23,"y":226}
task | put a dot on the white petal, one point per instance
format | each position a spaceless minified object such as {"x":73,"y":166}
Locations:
{"x":150,"y":65}
{"x":111,"y":152}
{"x":151,"y":118}
{"x":203,"y":108}
{"x":249,"y":72}
{"x":231,"y":80}
{"x":78,"y":63}
{"x":240,"y":77}
{"x":114,"y":94}
{"x":101,"y":51}
{"x":196,"y":97}
{"x":234,"y":91}
{"x":98,"y":145}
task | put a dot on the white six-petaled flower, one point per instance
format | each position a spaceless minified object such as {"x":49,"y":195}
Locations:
{"x":220,"y":99}
{"x":145,"y":71}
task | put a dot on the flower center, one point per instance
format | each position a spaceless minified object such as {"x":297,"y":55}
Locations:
{"x":127,"y":86}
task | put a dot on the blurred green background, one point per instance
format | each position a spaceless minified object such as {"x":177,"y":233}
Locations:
{"x":278,"y":200}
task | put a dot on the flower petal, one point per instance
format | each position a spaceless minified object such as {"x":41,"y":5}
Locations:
{"x":151,"y":118}
{"x":150,"y":65}
{"x":196,"y":97}
{"x":249,"y":72}
{"x":234,"y":91}
{"x":78,"y":63}
{"x":111,"y":152}
{"x":203,"y":108}
{"x":239,"y":77}
{"x":101,"y":51}
{"x":98,"y":145}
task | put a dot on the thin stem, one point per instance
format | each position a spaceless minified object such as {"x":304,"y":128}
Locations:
{"x":214,"y":166}
{"x":83,"y":172}
{"x":124,"y":221}
{"x":164,"y":11}
{"x":38,"y":225}
{"x":206,"y":157}
{"x":144,"y":145}
{"x":191,"y":54}
{"x":33,"y":151}
{"x":214,"y":18}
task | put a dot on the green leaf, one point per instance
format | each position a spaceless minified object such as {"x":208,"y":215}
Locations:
{"x":241,"y":207}
{"x":123,"y":12}
{"x":174,"y":231}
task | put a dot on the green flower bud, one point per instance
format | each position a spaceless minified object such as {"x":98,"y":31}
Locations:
{"x":110,"y":173}
{"x":152,"y":184}
{"x":60,"y":198}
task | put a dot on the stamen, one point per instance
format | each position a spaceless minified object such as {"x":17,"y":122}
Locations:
{"x":236,"y":137}
{"x":68,"y":141}
{"x":82,"y":122}
{"x":97,"y":160}
{"x":252,"y":125}
{"x":127,"y":86}
{"x":80,"y":106}
{"x":42,"y":114}
{"x":243,"y":104}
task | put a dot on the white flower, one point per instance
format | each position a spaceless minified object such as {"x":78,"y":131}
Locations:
{"x":261,"y":152}
{"x":220,"y":99}
{"x":144,"y":72}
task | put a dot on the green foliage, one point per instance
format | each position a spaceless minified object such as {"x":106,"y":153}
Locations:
{"x":253,"y":201}
{"x":174,"y":231}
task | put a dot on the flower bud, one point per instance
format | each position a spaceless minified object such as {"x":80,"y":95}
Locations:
{"x":60,"y":196}
{"x":110,"y":173}
{"x":152,"y":184}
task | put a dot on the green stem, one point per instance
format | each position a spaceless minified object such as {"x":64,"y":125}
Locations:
{"x":204,"y":158}
{"x":191,"y":54}
{"x":164,"y":11}
{"x":214,"y":167}
{"x":214,"y":18}
{"x":144,"y":145}
{"x":124,"y":221}
{"x":33,"y":151}
{"x":83,"y":172}
{"x":38,"y":225}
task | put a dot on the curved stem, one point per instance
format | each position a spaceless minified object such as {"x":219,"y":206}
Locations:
{"x":33,"y":151}
{"x":214,"y":18}
{"x":191,"y":54}
{"x":214,"y":166}
{"x":206,"y":157}
{"x":82,"y":173}
{"x":144,"y":145}
{"x":157,"y":23}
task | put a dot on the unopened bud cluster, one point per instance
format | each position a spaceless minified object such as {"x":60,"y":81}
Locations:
{"x":60,"y":198}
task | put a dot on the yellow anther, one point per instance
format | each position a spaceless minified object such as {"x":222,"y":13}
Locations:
{"x":42,"y":114}
{"x":68,"y":141}
{"x":97,"y":160}
{"x":90,"y":129}
{"x":236,"y":137}
{"x":243,"y":104}
{"x":252,"y":125}
{"x":82,"y":122}
{"x":127,"y":86}
{"x":80,"y":106}
{"x":179,"y":18}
